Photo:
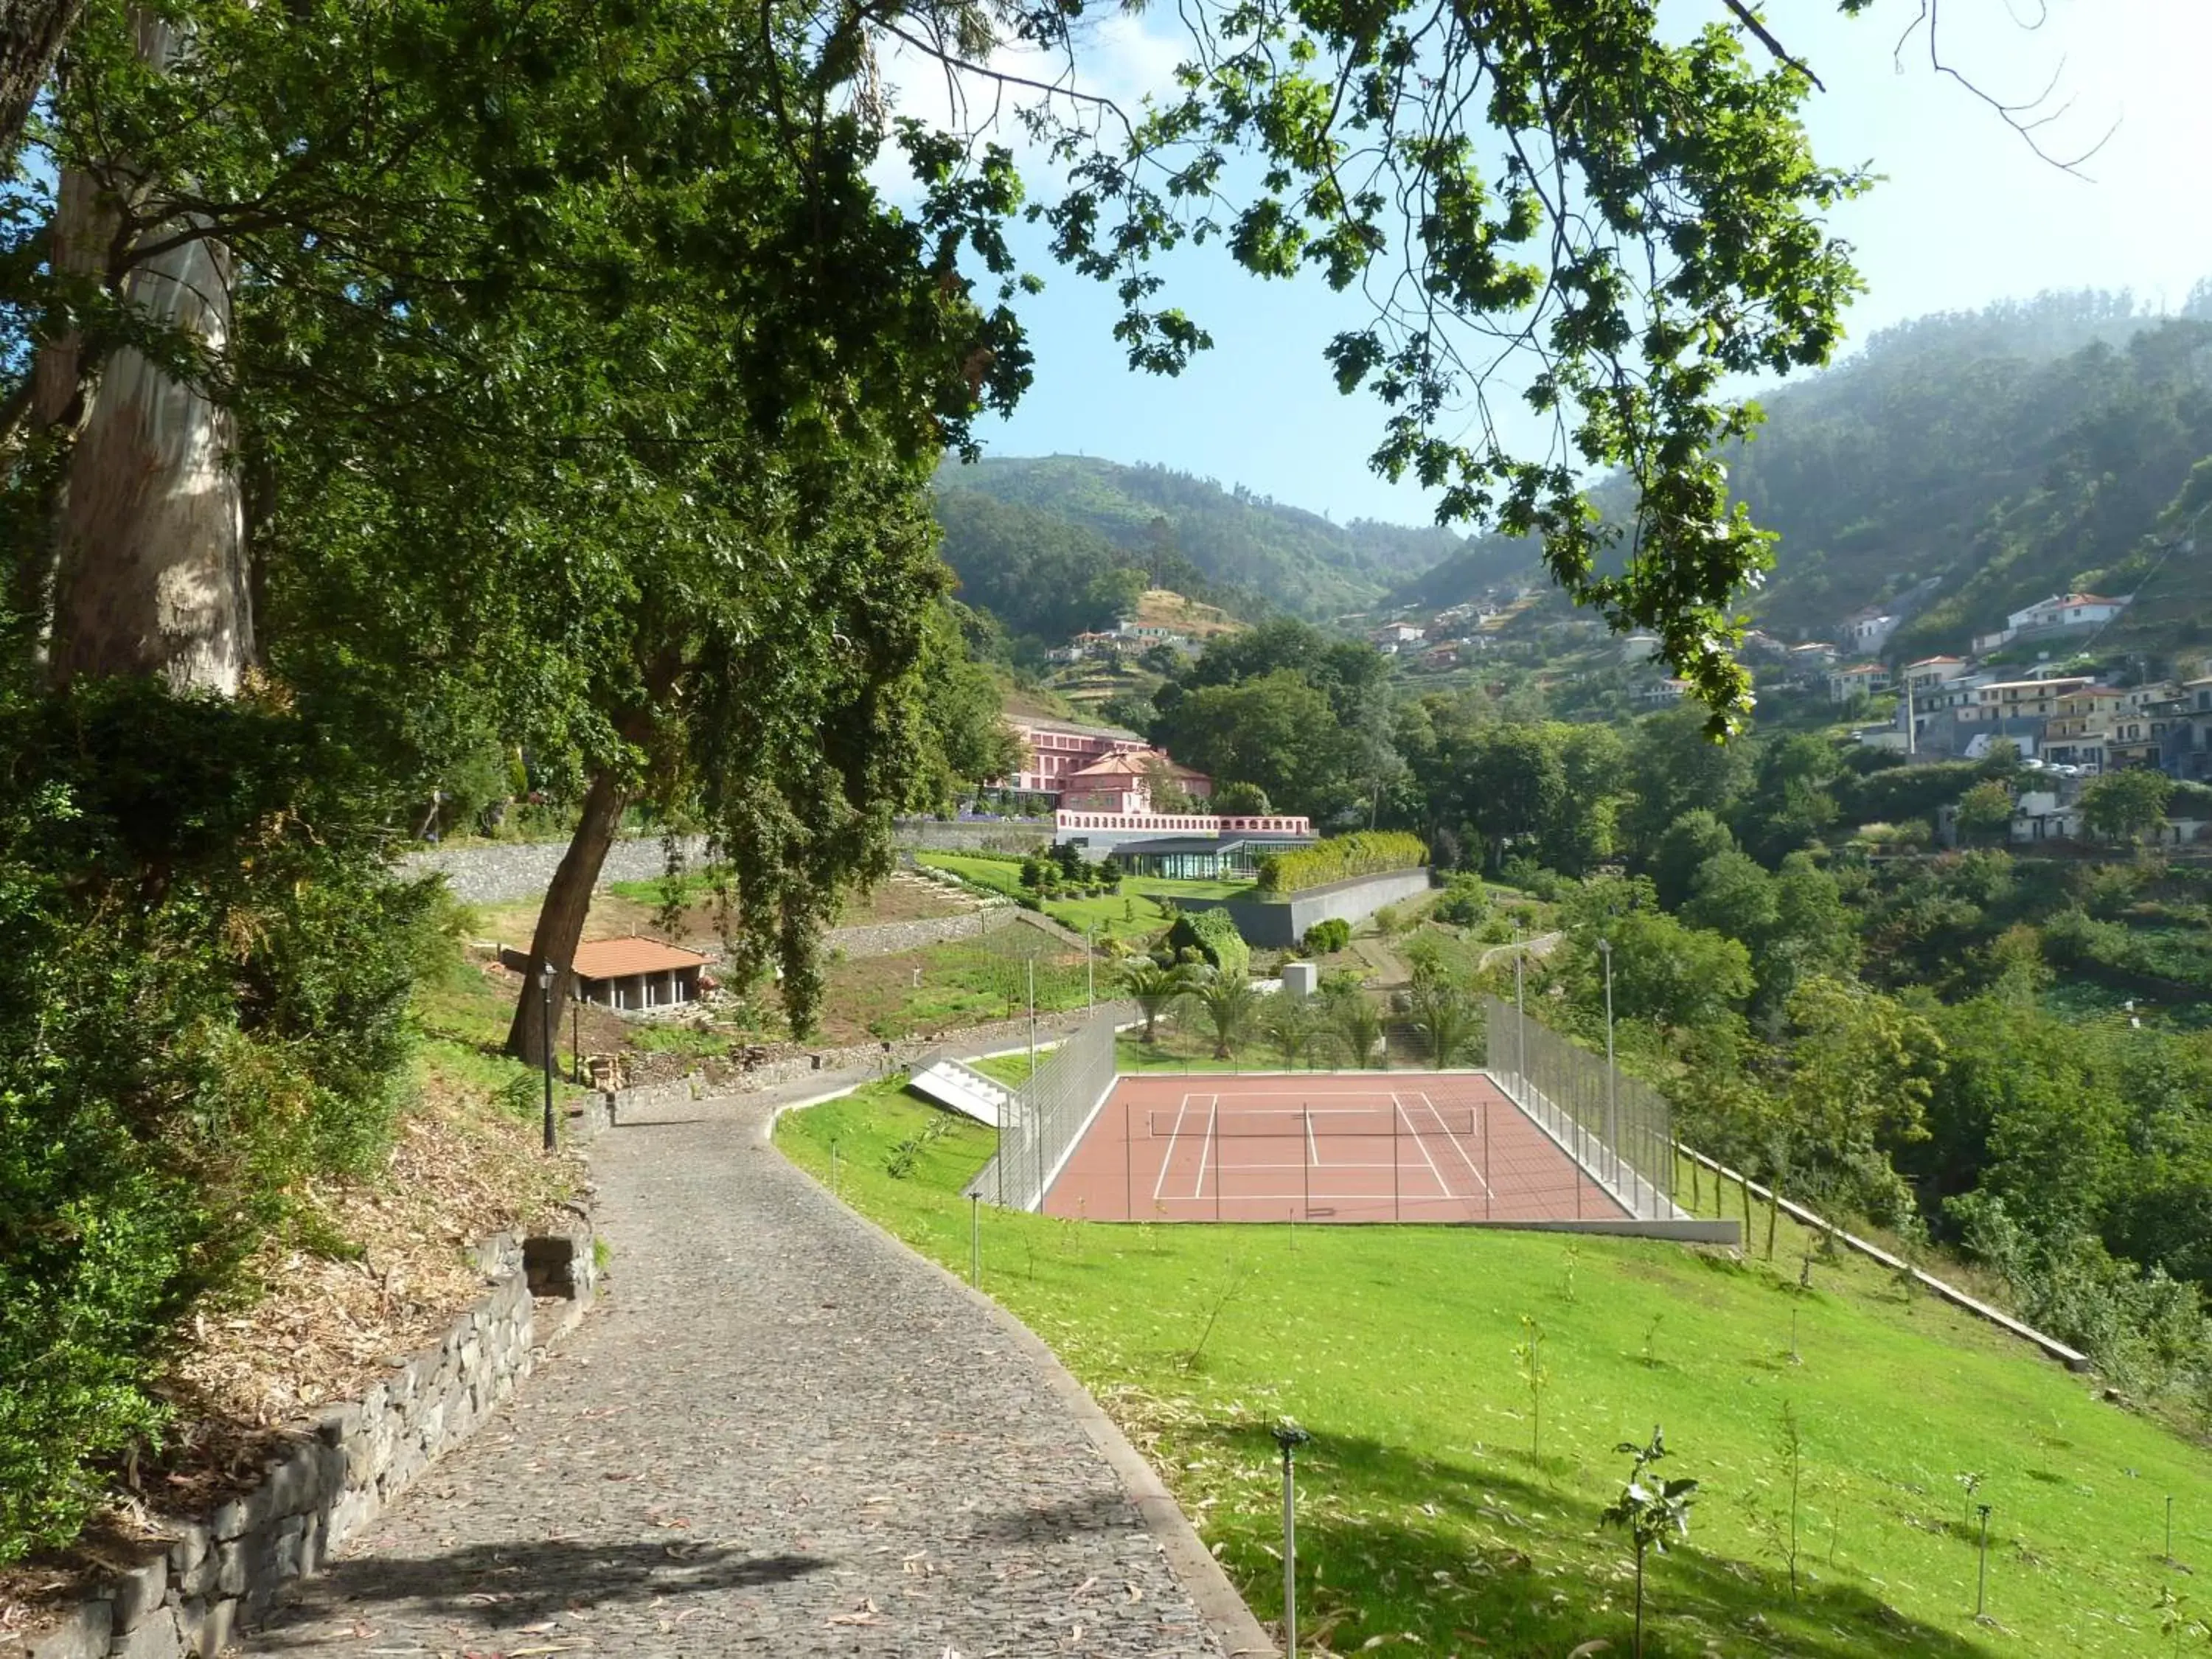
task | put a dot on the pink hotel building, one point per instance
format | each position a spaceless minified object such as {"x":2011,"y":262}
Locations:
{"x":1053,"y":750}
{"x":1098,"y":778}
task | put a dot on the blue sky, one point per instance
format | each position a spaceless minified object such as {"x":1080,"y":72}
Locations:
{"x":1967,"y":215}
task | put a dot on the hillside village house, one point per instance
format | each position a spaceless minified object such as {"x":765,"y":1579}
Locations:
{"x":1759,"y":643}
{"x":1660,"y":694}
{"x":1929,"y":673}
{"x":2035,"y":700}
{"x":2185,"y":744}
{"x":1860,"y":679}
{"x":2056,"y":615}
{"x":2080,"y":731}
{"x":1869,"y":630}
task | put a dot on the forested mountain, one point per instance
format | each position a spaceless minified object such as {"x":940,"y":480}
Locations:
{"x":1247,"y":553}
{"x":2000,"y":455}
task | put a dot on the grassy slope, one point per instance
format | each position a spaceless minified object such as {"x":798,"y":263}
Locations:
{"x":1134,"y":913}
{"x":1422,"y":1510}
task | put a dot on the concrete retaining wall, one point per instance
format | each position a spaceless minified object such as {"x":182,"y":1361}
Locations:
{"x":1280,"y":924}
{"x":2073,"y":1358}
{"x":222,"y":1574}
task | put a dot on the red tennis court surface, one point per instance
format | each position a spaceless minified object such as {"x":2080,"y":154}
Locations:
{"x":1404,"y":1146}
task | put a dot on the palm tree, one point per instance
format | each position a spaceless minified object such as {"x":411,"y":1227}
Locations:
{"x":1291,"y":1024}
{"x":1155,"y":989}
{"x":1229,"y":1002}
{"x":1446,"y":1019}
{"x":1357,"y":1024}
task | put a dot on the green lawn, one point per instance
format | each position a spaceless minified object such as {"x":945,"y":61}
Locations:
{"x":1428,"y":1519}
{"x":462,"y":1017}
{"x":1006,"y":1068}
{"x":1134,"y":912}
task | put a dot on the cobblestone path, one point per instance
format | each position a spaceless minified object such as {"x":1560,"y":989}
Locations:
{"x":780,"y":1435}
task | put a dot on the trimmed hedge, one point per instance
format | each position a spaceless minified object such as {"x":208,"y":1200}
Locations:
{"x":1326,"y":937}
{"x":1363,"y":852}
{"x":1213,"y":936}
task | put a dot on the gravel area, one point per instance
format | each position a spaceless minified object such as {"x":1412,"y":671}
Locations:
{"x":781,"y":1435}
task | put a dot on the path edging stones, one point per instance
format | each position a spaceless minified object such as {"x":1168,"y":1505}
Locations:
{"x":222,"y":1573}
{"x":1240,"y":1633}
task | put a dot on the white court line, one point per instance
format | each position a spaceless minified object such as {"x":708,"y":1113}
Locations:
{"x":1213,"y":1112}
{"x":1159,"y":1186}
{"x":1398,"y":1106}
{"x":1452,"y":1136}
{"x":1241,"y":1167}
{"x":1380,"y":1097}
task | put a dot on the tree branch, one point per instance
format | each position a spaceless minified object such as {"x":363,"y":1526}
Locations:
{"x":1749,"y":19}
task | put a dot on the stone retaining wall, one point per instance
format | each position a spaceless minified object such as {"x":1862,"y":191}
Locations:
{"x":889,"y":938}
{"x":500,"y":872}
{"x":968,"y":1042}
{"x":222,"y":1574}
{"x":1003,"y":836}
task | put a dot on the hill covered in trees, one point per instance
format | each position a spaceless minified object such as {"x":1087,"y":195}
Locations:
{"x":1027,"y":538}
{"x":1999,"y":455}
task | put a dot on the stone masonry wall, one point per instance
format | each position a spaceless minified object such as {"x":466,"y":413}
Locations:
{"x":221,"y":1575}
{"x":889,"y":938}
{"x":617,"y":1106}
{"x":1009,"y":835}
{"x":500,"y":872}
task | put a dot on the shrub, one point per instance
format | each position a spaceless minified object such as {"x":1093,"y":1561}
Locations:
{"x":1523,"y":871}
{"x":219,"y":1011}
{"x":1326,"y":938}
{"x":1214,"y":937}
{"x":1365,"y":853}
{"x":1465,"y":903}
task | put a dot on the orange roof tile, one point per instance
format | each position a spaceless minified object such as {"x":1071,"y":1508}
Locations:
{"x":617,"y":958}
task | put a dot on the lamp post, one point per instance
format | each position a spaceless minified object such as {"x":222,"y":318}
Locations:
{"x":545,"y":1026}
{"x":1612,"y":1105}
{"x":1289,"y":1437}
{"x":1982,"y":1571}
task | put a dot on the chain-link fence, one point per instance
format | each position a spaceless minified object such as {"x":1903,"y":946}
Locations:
{"x":1046,"y":1114}
{"x":1618,"y":1128}
{"x":1278,"y":1033}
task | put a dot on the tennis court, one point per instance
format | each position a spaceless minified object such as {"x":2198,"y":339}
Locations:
{"x":1407,"y":1146}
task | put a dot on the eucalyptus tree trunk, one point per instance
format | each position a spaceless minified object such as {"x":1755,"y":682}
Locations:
{"x":31,"y":34}
{"x":150,"y":573}
{"x":561,"y":918}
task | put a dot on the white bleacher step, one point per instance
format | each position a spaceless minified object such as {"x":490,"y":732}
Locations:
{"x":964,"y":1090}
